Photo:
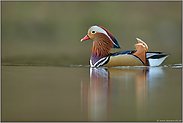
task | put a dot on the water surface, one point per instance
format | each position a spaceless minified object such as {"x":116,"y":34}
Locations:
{"x":81,"y":93}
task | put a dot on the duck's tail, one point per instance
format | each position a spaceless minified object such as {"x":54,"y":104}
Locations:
{"x":156,"y":58}
{"x":149,"y":58}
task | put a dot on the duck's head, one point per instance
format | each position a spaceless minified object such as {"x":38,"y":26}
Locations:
{"x":100,"y":35}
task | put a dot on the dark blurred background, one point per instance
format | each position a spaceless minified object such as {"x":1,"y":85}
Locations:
{"x":50,"y":32}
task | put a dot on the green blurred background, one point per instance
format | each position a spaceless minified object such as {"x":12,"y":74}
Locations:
{"x":50,"y":32}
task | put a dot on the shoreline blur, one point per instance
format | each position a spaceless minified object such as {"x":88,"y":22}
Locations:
{"x":50,"y":32}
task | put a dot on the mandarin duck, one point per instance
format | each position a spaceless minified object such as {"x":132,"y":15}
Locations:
{"x":104,"y":41}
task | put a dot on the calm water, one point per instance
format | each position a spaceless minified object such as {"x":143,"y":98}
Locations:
{"x":77,"y":93}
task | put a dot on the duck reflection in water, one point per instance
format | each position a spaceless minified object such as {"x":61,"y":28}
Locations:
{"x":107,"y":86}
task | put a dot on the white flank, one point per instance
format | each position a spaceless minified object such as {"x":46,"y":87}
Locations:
{"x":156,"y":62}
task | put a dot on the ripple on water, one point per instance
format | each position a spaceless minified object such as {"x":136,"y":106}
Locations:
{"x":173,"y":66}
{"x":128,"y":67}
{"x":88,"y":66}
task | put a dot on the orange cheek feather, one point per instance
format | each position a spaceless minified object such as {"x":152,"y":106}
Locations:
{"x":101,"y":45}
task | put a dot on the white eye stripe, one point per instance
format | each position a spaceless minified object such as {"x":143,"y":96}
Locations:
{"x":100,"y":30}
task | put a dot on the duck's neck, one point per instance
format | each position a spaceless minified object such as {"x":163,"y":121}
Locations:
{"x":100,"y":50}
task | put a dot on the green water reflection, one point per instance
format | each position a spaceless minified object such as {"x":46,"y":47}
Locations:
{"x":32,"y":93}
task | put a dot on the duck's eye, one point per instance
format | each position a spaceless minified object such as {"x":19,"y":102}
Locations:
{"x":93,"y":32}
